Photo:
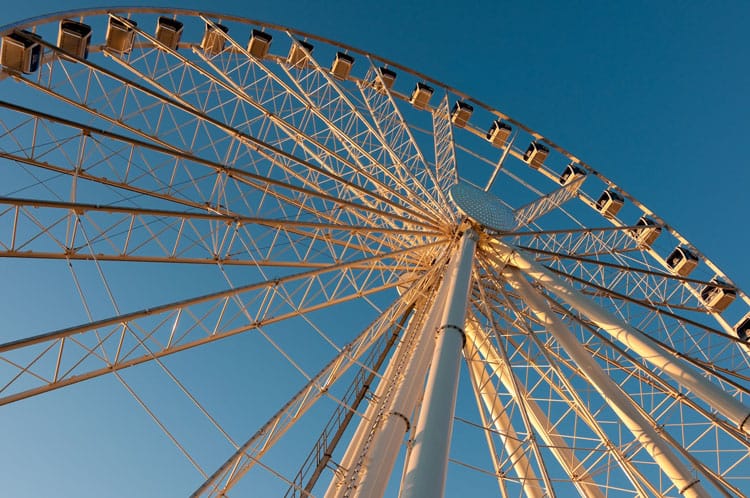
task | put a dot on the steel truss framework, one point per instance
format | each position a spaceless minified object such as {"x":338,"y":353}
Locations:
{"x":172,"y":199}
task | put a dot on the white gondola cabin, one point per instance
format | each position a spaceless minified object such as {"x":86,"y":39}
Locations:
{"x":682,"y":261}
{"x":386,"y":79}
{"x":120,"y":35}
{"x":742,"y":328}
{"x":536,"y":154}
{"x":718,"y":295}
{"x":646,"y":232}
{"x":213,"y":38}
{"x":169,"y":32}
{"x":298,"y":52}
{"x":570,"y":173}
{"x":74,"y":38}
{"x":498,"y":133}
{"x":342,"y":66}
{"x":21,"y":51}
{"x":461,"y":113}
{"x":259,"y":44}
{"x":421,"y":95}
{"x":609,"y":203}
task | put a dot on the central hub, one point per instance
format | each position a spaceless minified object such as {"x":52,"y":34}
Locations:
{"x":482,"y":207}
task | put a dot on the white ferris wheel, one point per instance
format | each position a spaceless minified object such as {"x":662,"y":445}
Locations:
{"x":307,"y":267}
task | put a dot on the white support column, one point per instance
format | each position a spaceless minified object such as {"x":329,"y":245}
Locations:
{"x":679,"y":370}
{"x":372,"y":452}
{"x":354,"y":462}
{"x":387,"y":436}
{"x":425,"y":472}
{"x":619,"y":402}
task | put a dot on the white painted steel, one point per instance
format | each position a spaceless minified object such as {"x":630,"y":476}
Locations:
{"x":546,"y":429}
{"x":502,"y":423}
{"x":483,"y":207}
{"x":426,"y":469}
{"x":618,"y":401}
{"x":369,"y":459}
{"x":398,"y":418}
{"x":676,"y":368}
{"x":358,"y":444}
{"x":331,"y":183}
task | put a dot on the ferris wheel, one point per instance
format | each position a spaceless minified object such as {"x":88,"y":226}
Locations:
{"x":311,"y":271}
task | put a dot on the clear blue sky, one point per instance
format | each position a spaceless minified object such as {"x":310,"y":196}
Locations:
{"x":652,"y":94}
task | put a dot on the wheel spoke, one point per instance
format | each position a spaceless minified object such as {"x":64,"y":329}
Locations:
{"x":253,"y":449}
{"x":54,"y":230}
{"x":66,"y":356}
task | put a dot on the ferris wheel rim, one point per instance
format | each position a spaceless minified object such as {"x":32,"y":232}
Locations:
{"x":500,"y":115}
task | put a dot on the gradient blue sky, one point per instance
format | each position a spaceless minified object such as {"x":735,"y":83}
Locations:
{"x":652,"y":94}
